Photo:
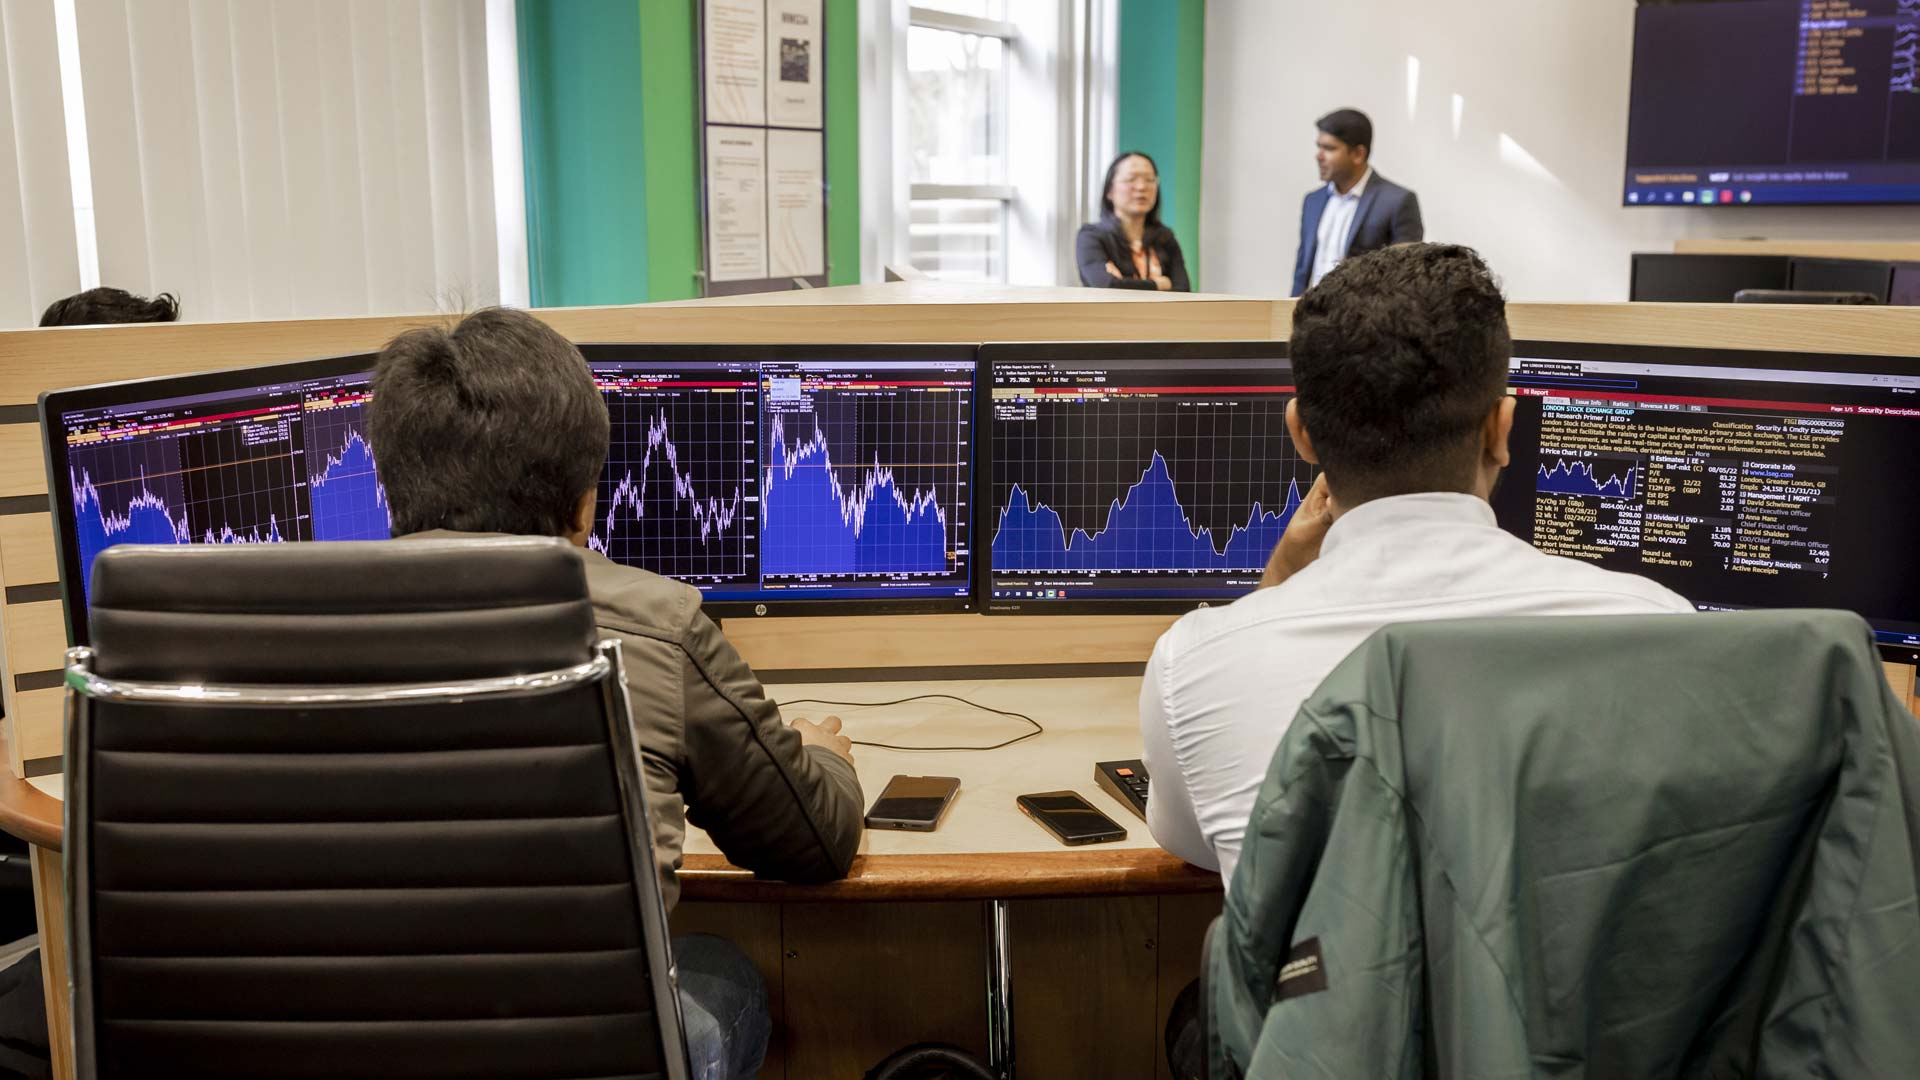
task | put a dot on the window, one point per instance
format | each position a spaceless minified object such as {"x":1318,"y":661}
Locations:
{"x":979,"y":124}
{"x":957,"y":125}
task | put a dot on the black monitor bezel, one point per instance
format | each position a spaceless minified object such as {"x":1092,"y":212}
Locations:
{"x":53,"y":403}
{"x":1733,"y":358}
{"x":791,"y":353}
{"x":1092,"y":352}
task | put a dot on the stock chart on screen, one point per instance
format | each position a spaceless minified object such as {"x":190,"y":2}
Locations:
{"x":1739,"y":480}
{"x":1140,"y":480}
{"x":283,"y":460}
{"x":802,"y":475}
{"x":753,"y":474}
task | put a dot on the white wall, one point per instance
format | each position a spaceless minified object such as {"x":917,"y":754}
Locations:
{"x":1531,"y":176}
{"x":38,"y":259}
{"x":301,"y":158}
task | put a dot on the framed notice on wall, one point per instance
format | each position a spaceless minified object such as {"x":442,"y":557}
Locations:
{"x":763,"y":149}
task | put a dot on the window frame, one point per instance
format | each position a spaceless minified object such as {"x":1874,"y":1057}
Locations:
{"x":1009,"y":34}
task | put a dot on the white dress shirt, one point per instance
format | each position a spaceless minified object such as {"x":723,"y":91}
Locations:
{"x":1336,"y":227}
{"x":1224,"y":683}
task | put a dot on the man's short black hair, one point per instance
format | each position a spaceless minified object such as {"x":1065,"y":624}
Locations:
{"x":107,"y":305}
{"x":1350,"y":126}
{"x":495,"y":427}
{"x":1399,"y":355}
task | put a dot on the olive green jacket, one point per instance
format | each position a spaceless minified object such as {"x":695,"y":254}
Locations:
{"x":1585,"y":848}
{"x":713,"y":746}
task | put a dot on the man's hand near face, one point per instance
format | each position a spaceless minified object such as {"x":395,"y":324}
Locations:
{"x":1300,"y":544}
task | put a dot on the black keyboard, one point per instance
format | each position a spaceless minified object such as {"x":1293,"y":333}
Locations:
{"x":1126,"y":781}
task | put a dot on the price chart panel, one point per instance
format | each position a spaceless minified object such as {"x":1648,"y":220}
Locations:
{"x":679,"y":495}
{"x":865,"y":478}
{"x":260,"y":465}
{"x":1138,"y":479}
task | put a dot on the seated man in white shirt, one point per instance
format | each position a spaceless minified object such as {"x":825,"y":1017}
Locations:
{"x":1400,"y":357}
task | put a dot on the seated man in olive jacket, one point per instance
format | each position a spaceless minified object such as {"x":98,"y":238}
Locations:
{"x":497,"y":428}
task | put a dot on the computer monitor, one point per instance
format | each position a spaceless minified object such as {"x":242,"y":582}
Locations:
{"x":868,"y":446}
{"x":247,"y":456}
{"x":1905,"y":291}
{"x":1134,"y":477}
{"x":1737,"y":479}
{"x":1772,"y":102}
{"x":1843,"y":276}
{"x":785,"y":479}
{"x":1704,"y":279}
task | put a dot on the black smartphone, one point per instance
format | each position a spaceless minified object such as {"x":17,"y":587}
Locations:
{"x":913,"y":802}
{"x":1070,"y":818}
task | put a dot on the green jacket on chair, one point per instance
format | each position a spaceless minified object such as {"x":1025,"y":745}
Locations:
{"x":1670,"y":846}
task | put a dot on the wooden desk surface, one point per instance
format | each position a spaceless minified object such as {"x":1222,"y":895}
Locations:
{"x":984,"y":848}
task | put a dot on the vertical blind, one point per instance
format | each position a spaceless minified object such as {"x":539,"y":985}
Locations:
{"x":289,"y":158}
{"x":36,"y":194}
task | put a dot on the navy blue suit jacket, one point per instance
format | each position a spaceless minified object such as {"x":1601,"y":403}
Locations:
{"x":1387,"y":214}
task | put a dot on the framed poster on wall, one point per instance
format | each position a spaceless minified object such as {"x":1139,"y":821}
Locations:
{"x":763,"y":144}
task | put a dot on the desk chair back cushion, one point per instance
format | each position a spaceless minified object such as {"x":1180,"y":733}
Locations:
{"x":1655,"y":846}
{"x":434,"y":889}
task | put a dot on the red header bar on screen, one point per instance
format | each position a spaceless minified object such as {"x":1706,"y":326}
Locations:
{"x":1081,"y":391}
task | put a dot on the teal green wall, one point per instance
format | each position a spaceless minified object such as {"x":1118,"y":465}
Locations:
{"x":610,"y":122}
{"x":843,"y":141}
{"x":1162,"y":48}
{"x":580,"y":110}
{"x":671,"y":122}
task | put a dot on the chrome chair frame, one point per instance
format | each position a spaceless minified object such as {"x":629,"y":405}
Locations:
{"x":607,"y":669}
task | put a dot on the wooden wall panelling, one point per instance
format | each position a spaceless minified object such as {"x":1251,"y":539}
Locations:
{"x":1888,"y":250}
{"x":1183,"y":926}
{"x":755,"y":928}
{"x":1877,"y":331}
{"x":1905,"y":686}
{"x":1084,"y":987}
{"x":36,"y":637}
{"x":26,"y":549}
{"x":35,"y":360}
{"x":36,"y":727}
{"x":864,"y":980}
{"x":23,"y":469}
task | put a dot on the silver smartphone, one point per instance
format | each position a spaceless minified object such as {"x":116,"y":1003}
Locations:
{"x":916,"y":803}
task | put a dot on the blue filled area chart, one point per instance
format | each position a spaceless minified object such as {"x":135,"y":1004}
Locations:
{"x":1145,"y":529}
{"x":230,"y":480}
{"x":1140,"y":479}
{"x":864,"y":476}
{"x":349,"y":502}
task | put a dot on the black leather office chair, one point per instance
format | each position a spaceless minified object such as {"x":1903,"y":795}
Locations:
{"x":356,"y":810}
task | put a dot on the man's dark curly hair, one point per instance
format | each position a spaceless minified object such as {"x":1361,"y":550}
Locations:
{"x":109,"y":305}
{"x":1399,"y":355}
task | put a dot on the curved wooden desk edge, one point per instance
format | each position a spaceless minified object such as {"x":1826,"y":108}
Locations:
{"x":26,"y":811}
{"x":1023,"y":875}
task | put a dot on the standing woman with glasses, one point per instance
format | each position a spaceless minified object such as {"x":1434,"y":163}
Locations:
{"x":1128,"y":248}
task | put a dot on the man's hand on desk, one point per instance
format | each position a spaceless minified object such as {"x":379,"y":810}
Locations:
{"x":1300,"y":544}
{"x":825,"y":733}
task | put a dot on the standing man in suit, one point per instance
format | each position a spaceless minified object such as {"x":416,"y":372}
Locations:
{"x":1357,"y":210}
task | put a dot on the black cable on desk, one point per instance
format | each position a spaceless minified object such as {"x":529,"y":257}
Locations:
{"x":1037,"y":729}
